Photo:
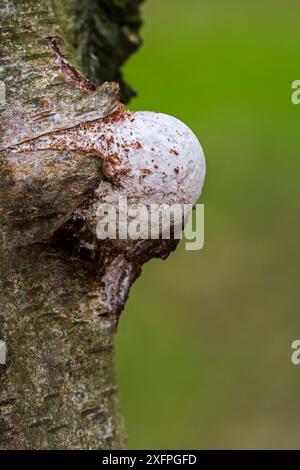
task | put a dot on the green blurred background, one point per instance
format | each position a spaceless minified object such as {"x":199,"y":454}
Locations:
{"x":204,"y":346}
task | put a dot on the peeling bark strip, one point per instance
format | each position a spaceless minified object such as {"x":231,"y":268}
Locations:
{"x":70,"y":72}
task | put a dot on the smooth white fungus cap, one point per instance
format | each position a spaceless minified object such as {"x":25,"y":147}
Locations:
{"x":160,"y":160}
{"x":152,"y":159}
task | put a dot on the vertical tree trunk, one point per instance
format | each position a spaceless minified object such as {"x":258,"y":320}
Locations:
{"x":58,"y":388}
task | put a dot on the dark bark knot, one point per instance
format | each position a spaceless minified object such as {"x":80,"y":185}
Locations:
{"x":67,"y":69}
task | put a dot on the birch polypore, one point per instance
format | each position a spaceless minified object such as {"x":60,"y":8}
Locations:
{"x":150,"y":158}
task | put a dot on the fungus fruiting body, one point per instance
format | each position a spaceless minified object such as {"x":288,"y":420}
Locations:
{"x":150,"y":155}
{"x":150,"y":158}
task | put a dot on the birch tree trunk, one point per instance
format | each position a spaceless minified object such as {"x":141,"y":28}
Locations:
{"x":58,"y":387}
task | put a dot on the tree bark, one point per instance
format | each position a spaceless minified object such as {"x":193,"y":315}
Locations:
{"x":58,"y":387}
{"x":103,"y":35}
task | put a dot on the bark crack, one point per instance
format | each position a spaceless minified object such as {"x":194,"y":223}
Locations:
{"x":67,"y":69}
